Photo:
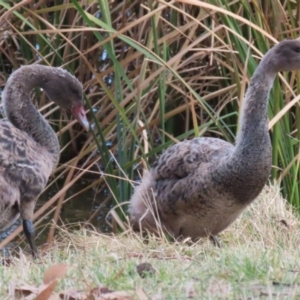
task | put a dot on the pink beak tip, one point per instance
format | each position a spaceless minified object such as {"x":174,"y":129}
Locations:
{"x":80,"y":114}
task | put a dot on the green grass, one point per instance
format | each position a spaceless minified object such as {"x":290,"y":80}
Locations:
{"x":258,"y":258}
{"x":152,"y":72}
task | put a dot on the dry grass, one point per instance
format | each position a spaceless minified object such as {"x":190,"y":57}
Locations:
{"x":259,"y":257}
{"x":180,"y":70}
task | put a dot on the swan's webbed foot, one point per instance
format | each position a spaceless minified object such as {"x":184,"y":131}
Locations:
{"x":30,"y":235}
{"x":215,"y":240}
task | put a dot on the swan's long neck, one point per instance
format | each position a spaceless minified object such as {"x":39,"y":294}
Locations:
{"x":253,"y":132}
{"x":247,"y":169}
{"x":22,"y":113}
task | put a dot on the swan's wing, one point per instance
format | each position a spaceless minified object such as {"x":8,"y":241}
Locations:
{"x":185,"y":172}
{"x":24,"y":164}
{"x":179,"y":182}
{"x":182,"y":159}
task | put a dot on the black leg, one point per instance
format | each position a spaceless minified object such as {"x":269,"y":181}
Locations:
{"x":215,"y":240}
{"x":29,"y":233}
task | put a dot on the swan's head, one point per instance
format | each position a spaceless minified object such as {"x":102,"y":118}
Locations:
{"x":66,"y":91}
{"x":285,"y":56}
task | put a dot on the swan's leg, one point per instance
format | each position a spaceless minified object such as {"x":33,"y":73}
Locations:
{"x":26,"y":212}
{"x":30,"y":235}
{"x":215,"y":240}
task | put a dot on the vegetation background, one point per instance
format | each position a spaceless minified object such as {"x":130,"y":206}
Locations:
{"x":154,"y":72}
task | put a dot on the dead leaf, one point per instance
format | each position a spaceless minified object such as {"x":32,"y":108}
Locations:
{"x":55,"y":272}
{"x":26,"y":290}
{"x":30,"y":297}
{"x":46,"y":290}
{"x":141,"y":294}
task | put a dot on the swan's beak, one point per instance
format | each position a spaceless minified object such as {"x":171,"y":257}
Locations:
{"x":79,"y":113}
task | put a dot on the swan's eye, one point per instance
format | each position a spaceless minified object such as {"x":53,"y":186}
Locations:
{"x":73,"y":91}
{"x":297,"y":50}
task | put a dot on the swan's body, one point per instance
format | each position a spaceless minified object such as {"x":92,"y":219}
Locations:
{"x":19,"y":176}
{"x":29,"y":148}
{"x":198,"y":187}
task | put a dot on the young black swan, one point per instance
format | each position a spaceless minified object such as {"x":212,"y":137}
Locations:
{"x":198,"y":187}
{"x":29,"y":148}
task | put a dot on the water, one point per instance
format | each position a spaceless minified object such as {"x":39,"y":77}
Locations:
{"x":74,"y":212}
{"x":82,"y":206}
